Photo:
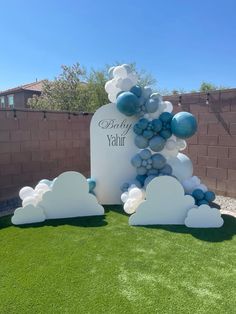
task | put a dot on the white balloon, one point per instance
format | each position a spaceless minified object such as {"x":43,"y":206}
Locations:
{"x":129,"y":206}
{"x":110,"y":71}
{"x":133,"y":77}
{"x":124,"y":197}
{"x":169,"y":106}
{"x":136,"y":194}
{"x":170,"y":145}
{"x":181,"y":144}
{"x":182,"y":166}
{"x":26,"y":192}
{"x":125,"y":84}
{"x":120,"y":71}
{"x":41,"y":186}
{"x":29,"y":200}
{"x":196,"y":180}
{"x":112,"y":98}
{"x":109,"y":86}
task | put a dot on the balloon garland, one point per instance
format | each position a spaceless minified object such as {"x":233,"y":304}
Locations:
{"x":159,"y":135}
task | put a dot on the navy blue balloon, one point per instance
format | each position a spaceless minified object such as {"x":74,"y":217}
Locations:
{"x":149,"y":179}
{"x":92,"y":184}
{"x":127,"y":103}
{"x":141,"y":178}
{"x":157,"y":125}
{"x":167,"y":170}
{"x":198,"y":194}
{"x":141,"y":170}
{"x":140,"y":141}
{"x":157,"y":143}
{"x":143,"y":123}
{"x":165,"y":134}
{"x":153,"y":172}
{"x":209,"y":196}
{"x":137,"y":129}
{"x":166,"y":117}
{"x":202,"y":202}
{"x":137,"y":90}
{"x":158,"y":161}
{"x":183,"y":125}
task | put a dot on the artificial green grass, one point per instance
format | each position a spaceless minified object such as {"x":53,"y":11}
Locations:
{"x":102,"y":265}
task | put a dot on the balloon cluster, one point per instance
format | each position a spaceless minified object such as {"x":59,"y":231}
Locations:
{"x":132,"y":198}
{"x":158,"y":133}
{"x":32,"y":196}
{"x":202,"y":198}
{"x":149,"y":166}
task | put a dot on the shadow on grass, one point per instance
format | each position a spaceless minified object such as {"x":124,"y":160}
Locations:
{"x":115,"y":208}
{"x":90,"y":221}
{"x":226,"y":232}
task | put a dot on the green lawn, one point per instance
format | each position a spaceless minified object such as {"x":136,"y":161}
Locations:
{"x":94,"y":265}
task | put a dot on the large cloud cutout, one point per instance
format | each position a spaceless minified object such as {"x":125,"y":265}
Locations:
{"x":165,"y":204}
{"x":204,"y":217}
{"x":69,"y":197}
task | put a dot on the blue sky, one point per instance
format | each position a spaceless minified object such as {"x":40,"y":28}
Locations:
{"x":181,"y":43}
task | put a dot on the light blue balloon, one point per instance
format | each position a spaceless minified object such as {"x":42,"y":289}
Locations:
{"x":157,"y":143}
{"x":140,"y":141}
{"x":137,"y":90}
{"x":136,"y":161}
{"x":145,"y":154}
{"x":183,"y":125}
{"x":152,"y":105}
{"x":127,"y":103}
{"x":141,"y":171}
{"x":148,"y":180}
{"x":92,"y":184}
{"x":158,"y":161}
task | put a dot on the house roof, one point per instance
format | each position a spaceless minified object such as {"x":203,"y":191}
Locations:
{"x":35,"y":86}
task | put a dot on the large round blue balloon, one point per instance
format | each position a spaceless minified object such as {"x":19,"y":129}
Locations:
{"x":127,"y":103}
{"x":183,"y":124}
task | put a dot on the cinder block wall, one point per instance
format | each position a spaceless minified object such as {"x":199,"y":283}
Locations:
{"x":32,"y":148}
{"x":213,"y":148}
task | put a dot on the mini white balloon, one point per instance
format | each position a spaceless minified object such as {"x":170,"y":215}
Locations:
{"x":26,"y":192}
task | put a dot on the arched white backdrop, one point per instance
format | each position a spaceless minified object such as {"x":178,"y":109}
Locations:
{"x":112,"y":147}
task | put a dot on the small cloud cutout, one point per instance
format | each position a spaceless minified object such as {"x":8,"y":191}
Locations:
{"x":166,"y":204}
{"x":28,"y":215}
{"x":68,"y":198}
{"x":204,"y":217}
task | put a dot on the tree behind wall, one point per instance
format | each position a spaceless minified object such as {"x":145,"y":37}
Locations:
{"x":76,"y":89}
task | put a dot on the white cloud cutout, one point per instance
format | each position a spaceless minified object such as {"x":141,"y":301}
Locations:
{"x":27,"y":215}
{"x":204,"y":217}
{"x":69,"y":197}
{"x":165,"y":204}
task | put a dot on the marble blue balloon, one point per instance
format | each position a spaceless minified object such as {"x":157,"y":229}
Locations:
{"x":148,"y":180}
{"x":136,"y":161}
{"x":145,"y":154}
{"x":141,"y":179}
{"x":46,"y":181}
{"x":153,"y":172}
{"x":137,"y":129}
{"x":165,"y":134}
{"x":127,"y":103}
{"x":209,"y":196}
{"x":148,"y":134}
{"x":92,"y":184}
{"x":156,"y":125}
{"x":202,"y":202}
{"x":152,"y":105}
{"x":140,"y":141}
{"x":183,"y":125}
{"x":158,"y":161}
{"x":198,"y":194}
{"x":157,"y":143}
{"x":141,"y":170}
{"x":166,"y":117}
{"x":143,"y":123}
{"x":167,"y":170}
{"x":136,"y":90}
